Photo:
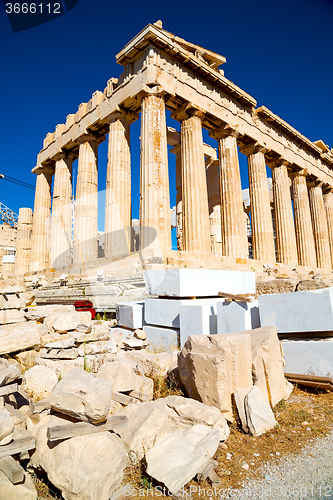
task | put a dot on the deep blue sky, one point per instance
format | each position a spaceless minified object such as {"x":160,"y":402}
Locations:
{"x":279,"y":51}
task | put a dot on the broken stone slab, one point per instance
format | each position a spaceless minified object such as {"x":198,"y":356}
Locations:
{"x":259,"y":415}
{"x":6,"y":427}
{"x":8,"y":316}
{"x":24,"y":490}
{"x":39,"y":382}
{"x":235,"y":317}
{"x":11,"y":286}
{"x":89,"y":466}
{"x":12,"y":301}
{"x":134,"y":343}
{"x":212,"y":367}
{"x":150,"y":422}
{"x":95,"y":335}
{"x":70,"y":353}
{"x":130,"y":314}
{"x":124,"y":379}
{"x":83,"y":328}
{"x":98,"y":347}
{"x":61,"y":344}
{"x":268,"y":364}
{"x":198,"y":282}
{"x":53,"y":337}
{"x":39,"y":313}
{"x":313,"y":284}
{"x":10,"y":374}
{"x":162,"y":339}
{"x":177,"y":458}
{"x":82,"y":396}
{"x":239,"y":396}
{"x":60,"y":366}
{"x":309,"y":311}
{"x":140,"y":334}
{"x":276,"y":286}
{"x":18,"y":337}
{"x":155,"y":364}
{"x":66,"y":322}
{"x":308,"y":356}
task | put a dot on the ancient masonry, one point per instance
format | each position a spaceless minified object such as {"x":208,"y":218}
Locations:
{"x":163,"y":71}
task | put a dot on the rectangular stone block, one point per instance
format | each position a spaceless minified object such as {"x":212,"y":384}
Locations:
{"x":165,"y":312}
{"x":308,"y":311}
{"x":198,"y":319}
{"x":18,"y":337}
{"x":235,"y":317}
{"x":161,"y":339}
{"x":8,"y":316}
{"x":198,"y":282}
{"x":130,"y":314}
{"x":309,"y":357}
{"x":12,"y":301}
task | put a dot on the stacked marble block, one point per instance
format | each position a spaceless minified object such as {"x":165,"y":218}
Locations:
{"x":187,"y":303}
{"x":305,"y":323}
{"x":12,"y":302}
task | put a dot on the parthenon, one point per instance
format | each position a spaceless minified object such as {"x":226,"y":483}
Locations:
{"x":164,"y":72}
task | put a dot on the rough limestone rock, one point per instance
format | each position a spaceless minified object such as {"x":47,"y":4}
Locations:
{"x":59,"y":353}
{"x":21,"y":491}
{"x":9,"y":374}
{"x":268,"y":364}
{"x":87,"y":467}
{"x":61,"y":343}
{"x":259,"y":415}
{"x":19,"y":336}
{"x":314,"y":284}
{"x":98,"y":347}
{"x":150,"y":422}
{"x":39,"y":313}
{"x":276,"y":286}
{"x":66,"y":322}
{"x":177,"y":458}
{"x":6,"y":426}
{"x":40,"y":382}
{"x":26,"y":359}
{"x":11,"y":286}
{"x":96,"y":334}
{"x":212,"y":367}
{"x":82,"y":396}
{"x":8,"y":316}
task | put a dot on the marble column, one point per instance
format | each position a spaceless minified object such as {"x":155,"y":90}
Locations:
{"x":320,"y":228}
{"x":303,"y":225}
{"x":61,"y":219}
{"x":196,"y":230}
{"x":39,"y":257}
{"x":23,"y":241}
{"x":85,"y":215}
{"x":118,"y":218}
{"x":155,"y":218}
{"x":328,"y":202}
{"x":261,"y":216}
{"x":214,"y":205}
{"x":176,"y":150}
{"x":233,"y":218}
{"x":286,"y":248}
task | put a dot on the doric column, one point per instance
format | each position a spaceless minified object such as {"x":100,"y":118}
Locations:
{"x":196,"y":231}
{"x":61,"y":219}
{"x":303,"y":225}
{"x":23,"y":241}
{"x":328,"y":202}
{"x":234,"y":236}
{"x":176,"y":150}
{"x":214,"y":205}
{"x":319,"y":224}
{"x":85,"y":215}
{"x":261,"y":216}
{"x":155,"y":220}
{"x":118,"y":220}
{"x":39,"y":257}
{"x":284,"y":222}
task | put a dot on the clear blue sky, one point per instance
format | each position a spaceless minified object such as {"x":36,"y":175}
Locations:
{"x":280,"y":52}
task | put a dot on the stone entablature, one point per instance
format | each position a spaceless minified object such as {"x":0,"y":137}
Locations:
{"x":163,"y":71}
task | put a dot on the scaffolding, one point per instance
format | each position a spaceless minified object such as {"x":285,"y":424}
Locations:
{"x":7,"y":215}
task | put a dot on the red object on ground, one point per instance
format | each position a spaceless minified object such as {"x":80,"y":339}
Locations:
{"x":85,"y":305}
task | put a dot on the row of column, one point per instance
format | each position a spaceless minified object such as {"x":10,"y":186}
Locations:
{"x":307,"y":239}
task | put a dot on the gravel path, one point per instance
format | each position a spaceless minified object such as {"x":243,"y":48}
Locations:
{"x":309,"y":475}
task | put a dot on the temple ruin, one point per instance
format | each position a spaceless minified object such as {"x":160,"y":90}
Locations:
{"x":164,"y":72}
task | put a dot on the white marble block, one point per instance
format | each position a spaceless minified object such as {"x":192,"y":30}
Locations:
{"x":165,"y":312}
{"x":130,"y":314}
{"x":198,"y":282}
{"x":198,"y":319}
{"x":308,"y":311}
{"x":161,"y":339}
{"x":235,"y":317}
{"x":309,"y":357}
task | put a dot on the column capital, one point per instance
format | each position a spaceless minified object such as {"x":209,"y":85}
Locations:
{"x":186,"y":111}
{"x":156,"y":90}
{"x":298,"y":173}
{"x":315,"y":183}
{"x":121,"y":113}
{"x":255,"y":147}
{"x":279,"y":162}
{"x":225,"y":131}
{"x":62,"y":155}
{"x":90,"y":137}
{"x":327,"y":189}
{"x":43,"y":169}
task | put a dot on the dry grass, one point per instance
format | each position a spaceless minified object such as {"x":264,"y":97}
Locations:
{"x":45,"y":489}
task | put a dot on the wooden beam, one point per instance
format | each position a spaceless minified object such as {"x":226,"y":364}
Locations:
{"x":17,"y":446}
{"x":123,"y":399}
{"x":246,"y":297}
{"x":82,"y":428}
{"x":12,"y":469}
